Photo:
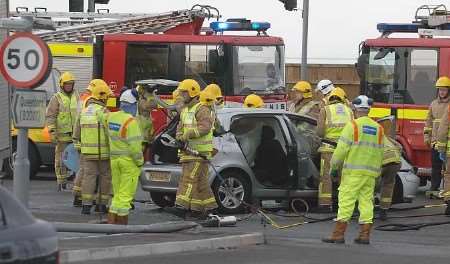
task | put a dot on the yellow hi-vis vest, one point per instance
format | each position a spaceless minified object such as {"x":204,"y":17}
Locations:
{"x":66,"y":115}
{"x":391,"y":152}
{"x":125,"y":138}
{"x":337,"y":116}
{"x":360,"y":149}
{"x":203,"y":143}
{"x":307,"y":107}
{"x":90,"y":124}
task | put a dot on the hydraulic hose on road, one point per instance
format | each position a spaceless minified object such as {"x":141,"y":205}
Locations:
{"x":167,"y":227}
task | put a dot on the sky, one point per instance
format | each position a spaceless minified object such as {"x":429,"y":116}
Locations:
{"x":335,"y":27}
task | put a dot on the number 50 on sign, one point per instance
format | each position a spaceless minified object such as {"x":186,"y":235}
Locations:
{"x":26,"y":60}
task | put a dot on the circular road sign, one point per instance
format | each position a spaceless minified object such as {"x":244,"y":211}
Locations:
{"x":27,"y":60}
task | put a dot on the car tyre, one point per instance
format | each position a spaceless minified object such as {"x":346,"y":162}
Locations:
{"x":230,"y":191}
{"x":163,"y":199}
{"x":33,"y":156}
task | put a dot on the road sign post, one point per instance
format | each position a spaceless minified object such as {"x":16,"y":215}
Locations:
{"x":26,"y":63}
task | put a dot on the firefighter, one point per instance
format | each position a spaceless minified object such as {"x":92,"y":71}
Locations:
{"x":443,"y":146}
{"x":324,"y":89}
{"x":331,"y":121}
{"x":436,"y":110}
{"x":217,"y":93}
{"x":146,"y":103}
{"x":84,"y":97}
{"x":60,"y":117}
{"x":91,"y":139}
{"x":302,"y":100}
{"x":343,"y":94}
{"x":359,"y":154}
{"x":125,"y":146}
{"x":195,"y":130}
{"x":390,"y":166}
{"x":253,"y":101}
{"x":214,"y":93}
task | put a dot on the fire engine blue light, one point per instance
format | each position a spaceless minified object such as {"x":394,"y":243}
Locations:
{"x":239,"y":26}
{"x":401,"y":28}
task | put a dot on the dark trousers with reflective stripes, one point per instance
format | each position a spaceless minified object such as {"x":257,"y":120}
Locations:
{"x":388,"y":175}
{"x":436,"y":170}
{"x":96,"y":175}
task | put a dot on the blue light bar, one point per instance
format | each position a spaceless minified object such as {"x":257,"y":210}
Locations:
{"x":242,"y":25}
{"x":399,"y":28}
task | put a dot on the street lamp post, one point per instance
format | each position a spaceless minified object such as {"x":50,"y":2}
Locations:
{"x":304,"y":66}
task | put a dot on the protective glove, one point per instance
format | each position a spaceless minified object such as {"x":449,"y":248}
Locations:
{"x":442,"y":156}
{"x":334,"y":175}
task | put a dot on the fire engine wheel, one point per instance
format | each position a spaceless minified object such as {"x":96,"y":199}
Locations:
{"x":163,"y":199}
{"x":33,"y":156}
{"x":231,"y":191}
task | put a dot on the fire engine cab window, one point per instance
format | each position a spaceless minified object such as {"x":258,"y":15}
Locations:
{"x":259,"y":69}
{"x":422,"y":74}
{"x":380,"y":75}
{"x":203,"y":64}
{"x":146,"y":62}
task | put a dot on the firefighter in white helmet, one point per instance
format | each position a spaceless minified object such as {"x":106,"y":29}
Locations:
{"x":324,"y":89}
{"x":60,"y":118}
{"x":359,"y":156}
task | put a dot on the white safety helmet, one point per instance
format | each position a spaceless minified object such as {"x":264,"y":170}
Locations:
{"x":362,"y":102}
{"x":128,"y":96}
{"x":325,"y":87}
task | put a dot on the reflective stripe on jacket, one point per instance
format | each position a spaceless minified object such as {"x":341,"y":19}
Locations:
{"x":90,"y":124}
{"x":337,"y":116}
{"x":202,"y":143}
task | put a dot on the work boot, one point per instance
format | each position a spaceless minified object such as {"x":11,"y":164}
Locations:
{"x":101,"y":208}
{"x":121,"y":220}
{"x":112,"y":218}
{"x":382,"y":215}
{"x":338,"y":234}
{"x":364,"y":234}
{"x":77,"y":202}
{"x":447,"y":209}
{"x":86,"y":209}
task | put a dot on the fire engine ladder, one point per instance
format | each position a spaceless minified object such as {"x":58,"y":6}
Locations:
{"x":430,"y":21}
{"x":128,"y":23}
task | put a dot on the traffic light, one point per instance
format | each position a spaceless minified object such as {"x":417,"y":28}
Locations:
{"x":76,"y":5}
{"x":289,"y":5}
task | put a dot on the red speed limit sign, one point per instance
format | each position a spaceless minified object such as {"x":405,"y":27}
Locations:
{"x":27,"y":60}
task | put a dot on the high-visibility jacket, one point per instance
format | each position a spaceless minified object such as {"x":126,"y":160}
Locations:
{"x":92,"y":125}
{"x":360,"y":149}
{"x":201,"y":143}
{"x":392,"y":151}
{"x":66,"y":116}
{"x":145,"y":106}
{"x":337,"y":116}
{"x":125,"y":137}
{"x":436,"y":111}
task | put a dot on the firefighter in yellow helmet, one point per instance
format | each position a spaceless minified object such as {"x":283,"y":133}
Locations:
{"x":443,"y":145}
{"x":84,"y":97}
{"x":60,"y":117}
{"x":253,"y":101}
{"x":196,"y":130}
{"x":217,"y":93}
{"x":302,"y":101}
{"x":436,"y":112}
{"x":332,"y":119}
{"x":342,"y":94}
{"x":214,"y":93}
{"x":90,"y":138}
{"x":125,"y":146}
{"x":391,"y":165}
{"x":359,"y":156}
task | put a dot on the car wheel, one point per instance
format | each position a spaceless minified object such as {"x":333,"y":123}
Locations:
{"x":231,"y":191}
{"x":33,"y":156}
{"x":163,"y":199}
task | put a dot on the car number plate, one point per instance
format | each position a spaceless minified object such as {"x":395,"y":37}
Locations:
{"x":159,"y":176}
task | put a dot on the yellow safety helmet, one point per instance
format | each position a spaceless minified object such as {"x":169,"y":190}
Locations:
{"x":337,"y":95}
{"x":215,"y":90}
{"x":443,"y":82}
{"x":100,"y":90}
{"x":190,"y":86}
{"x":340,"y":91}
{"x":66,"y":77}
{"x":253,"y":101}
{"x":207,"y":97}
{"x":304,"y":87}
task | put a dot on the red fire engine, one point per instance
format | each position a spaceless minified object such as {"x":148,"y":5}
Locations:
{"x":400,"y":73}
